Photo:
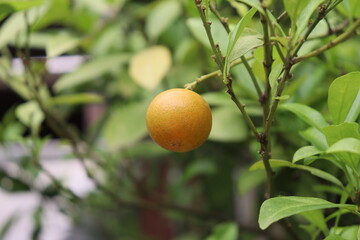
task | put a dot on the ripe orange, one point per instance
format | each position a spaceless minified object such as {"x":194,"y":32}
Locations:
{"x":179,"y":120}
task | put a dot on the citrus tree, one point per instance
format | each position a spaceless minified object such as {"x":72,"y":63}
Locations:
{"x":282,"y":159}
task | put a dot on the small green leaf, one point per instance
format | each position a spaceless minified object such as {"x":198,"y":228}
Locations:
{"x":294,"y":9}
{"x":79,"y":98}
{"x":335,"y":133}
{"x":316,"y":137}
{"x":16,"y":24}
{"x":278,"y":208}
{"x":18,"y":5}
{"x":90,"y":71}
{"x":347,"y":232}
{"x":61,"y":43}
{"x":125,"y":126}
{"x":284,"y":97}
{"x":305,"y":152}
{"x":351,"y":145}
{"x":145,"y":149}
{"x":162,"y":17}
{"x":354,"y":110}
{"x":334,"y":237}
{"x":342,"y":94}
{"x":228,"y":125}
{"x":316,"y":218}
{"x":248,"y":180}
{"x":30,"y":114}
{"x":314,"y":171}
{"x":255,"y":4}
{"x":247,"y":41}
{"x":219,"y":34}
{"x":224,"y":231}
{"x":234,"y":36}
{"x":308,"y":114}
{"x":201,"y":167}
{"x":351,"y":8}
{"x":218,"y":98}
{"x":305,"y":15}
{"x":276,"y":70}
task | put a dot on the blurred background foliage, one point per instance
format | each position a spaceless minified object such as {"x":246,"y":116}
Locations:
{"x":132,"y":50}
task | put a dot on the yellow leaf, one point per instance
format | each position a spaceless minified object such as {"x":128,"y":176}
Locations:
{"x":149,"y":67}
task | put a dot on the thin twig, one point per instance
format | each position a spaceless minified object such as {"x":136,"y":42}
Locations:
{"x":205,"y":77}
{"x":281,"y":16}
{"x":272,"y":33}
{"x":264,"y":139}
{"x":338,"y":29}
{"x":341,"y":38}
{"x":207,"y":24}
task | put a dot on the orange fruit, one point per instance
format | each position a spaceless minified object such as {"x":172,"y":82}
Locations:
{"x":179,"y":120}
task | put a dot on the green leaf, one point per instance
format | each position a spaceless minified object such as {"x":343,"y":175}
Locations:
{"x":18,"y":5}
{"x":90,"y":71}
{"x":306,"y":113}
{"x":255,"y":4}
{"x":316,"y":218}
{"x":351,"y":145}
{"x":347,"y":232}
{"x":15,"y":25}
{"x":278,"y":208}
{"x":162,"y":17}
{"x":218,"y":98}
{"x":201,"y":167}
{"x":79,"y":98}
{"x":334,"y":237}
{"x":224,"y":231}
{"x":294,"y":8}
{"x":145,"y":149}
{"x":314,"y":171}
{"x":248,"y":180}
{"x":57,"y":11}
{"x":305,"y":15}
{"x":354,"y":110}
{"x":247,"y":41}
{"x":30,"y":114}
{"x":61,"y":43}
{"x":197,"y":29}
{"x":350,"y":7}
{"x":235,"y":35}
{"x":305,"y":152}
{"x":228,"y":125}
{"x":335,"y":133}
{"x":283,"y":97}
{"x":125,"y":126}
{"x":342,"y":94}
{"x":316,"y":137}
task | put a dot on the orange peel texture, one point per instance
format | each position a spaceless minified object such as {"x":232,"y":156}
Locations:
{"x":179,"y":120}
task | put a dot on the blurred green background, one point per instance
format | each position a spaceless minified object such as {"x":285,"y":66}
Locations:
{"x":131,"y":51}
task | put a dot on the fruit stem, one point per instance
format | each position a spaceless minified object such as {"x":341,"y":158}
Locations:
{"x":201,"y":79}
